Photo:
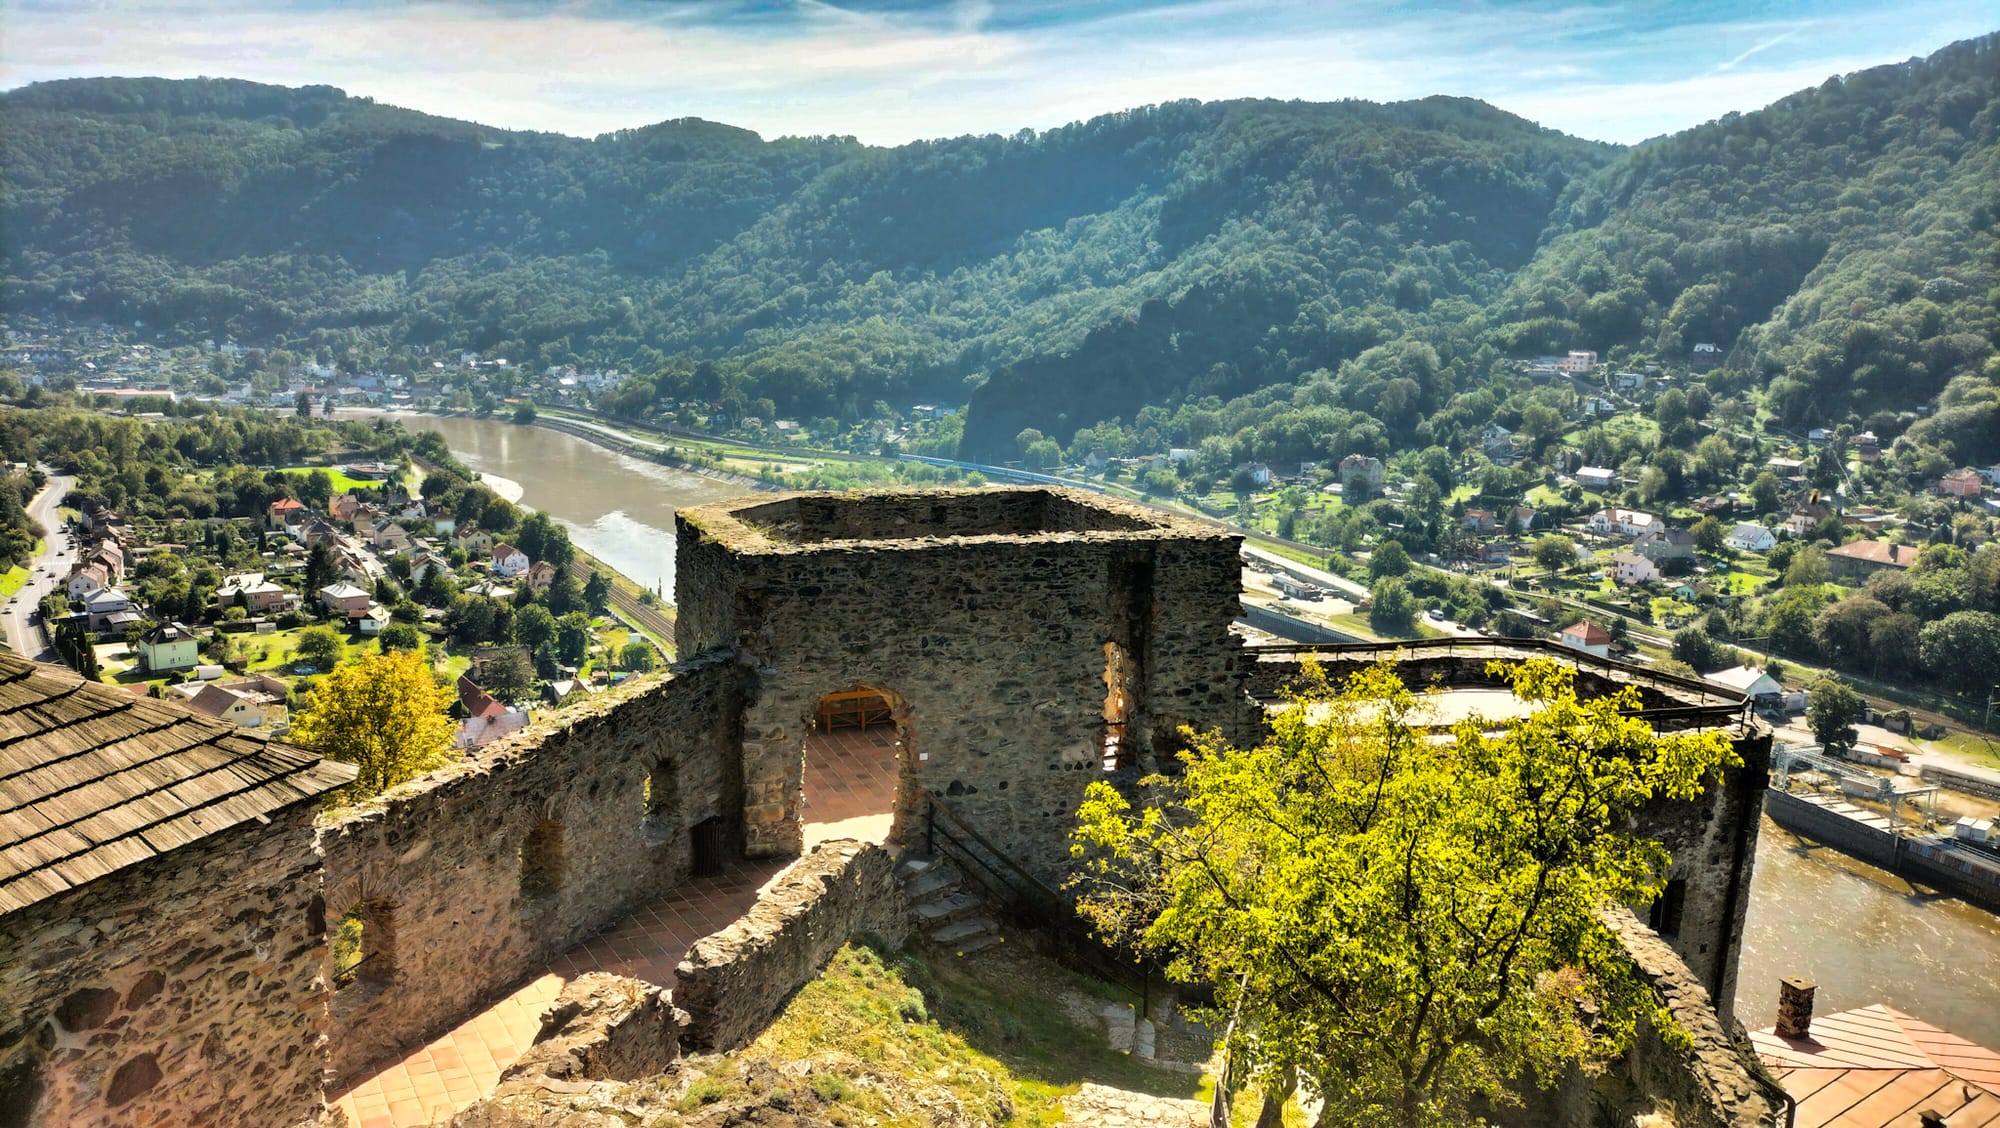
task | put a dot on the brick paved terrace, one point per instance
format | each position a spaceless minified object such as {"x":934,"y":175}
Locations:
{"x":850,"y":786}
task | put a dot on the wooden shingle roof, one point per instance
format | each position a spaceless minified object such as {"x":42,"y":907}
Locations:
{"x":93,"y":779}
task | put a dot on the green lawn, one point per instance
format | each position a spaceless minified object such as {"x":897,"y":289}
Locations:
{"x":1356,"y":623}
{"x":342,"y":483}
{"x":12,"y":580}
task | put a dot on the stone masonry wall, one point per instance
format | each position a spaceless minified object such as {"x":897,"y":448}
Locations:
{"x":1712,"y":1082}
{"x":994,"y":644}
{"x":1713,"y":841}
{"x":183,"y":990}
{"x":444,"y":854}
{"x":733,"y":983}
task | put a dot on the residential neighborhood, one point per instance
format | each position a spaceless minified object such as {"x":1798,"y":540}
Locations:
{"x":307,"y":585}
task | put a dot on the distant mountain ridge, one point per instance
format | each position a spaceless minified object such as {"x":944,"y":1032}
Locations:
{"x":1840,"y":243}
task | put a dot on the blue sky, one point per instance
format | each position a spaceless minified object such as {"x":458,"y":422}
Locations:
{"x":889,"y":71}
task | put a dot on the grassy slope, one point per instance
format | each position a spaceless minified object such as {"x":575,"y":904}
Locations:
{"x":890,"y":1036}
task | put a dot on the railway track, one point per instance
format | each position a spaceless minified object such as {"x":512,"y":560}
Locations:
{"x":657,"y":621}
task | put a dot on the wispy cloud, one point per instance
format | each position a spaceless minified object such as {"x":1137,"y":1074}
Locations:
{"x":1758,"y":49}
{"x":897,"y":70}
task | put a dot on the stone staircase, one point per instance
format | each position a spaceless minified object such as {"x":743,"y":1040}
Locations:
{"x":950,"y":915}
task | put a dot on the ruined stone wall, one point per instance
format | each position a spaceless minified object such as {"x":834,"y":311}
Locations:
{"x":994,"y":645}
{"x":733,"y":983}
{"x":623,"y":777}
{"x":1713,"y":841}
{"x":1712,"y":1082}
{"x":1466,"y":666}
{"x":182,"y":990}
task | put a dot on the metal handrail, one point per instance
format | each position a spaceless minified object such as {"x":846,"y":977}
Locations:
{"x":1031,"y":901}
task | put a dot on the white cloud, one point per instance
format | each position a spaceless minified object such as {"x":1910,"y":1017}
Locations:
{"x":586,"y":66}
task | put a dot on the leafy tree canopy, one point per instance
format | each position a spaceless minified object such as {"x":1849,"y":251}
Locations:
{"x":1408,"y":924}
{"x":384,"y":714}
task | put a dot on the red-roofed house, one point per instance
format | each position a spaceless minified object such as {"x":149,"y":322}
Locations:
{"x":484,"y":717}
{"x":1863,"y":558}
{"x":1587,"y":637}
{"x":541,"y":574}
{"x":284,"y":511}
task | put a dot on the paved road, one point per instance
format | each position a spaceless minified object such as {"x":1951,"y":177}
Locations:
{"x":46,"y":571}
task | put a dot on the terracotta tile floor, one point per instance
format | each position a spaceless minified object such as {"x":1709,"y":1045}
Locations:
{"x":433,"y":1082}
{"x":850,"y":784}
{"x":850,"y":788}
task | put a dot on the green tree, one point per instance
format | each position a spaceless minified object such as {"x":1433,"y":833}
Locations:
{"x":1554,"y":552}
{"x":1709,"y":535}
{"x":638,"y":655}
{"x":316,"y":489}
{"x":1963,"y":650}
{"x":400,"y":636}
{"x":1808,"y":568}
{"x":544,"y":540}
{"x":597,"y":592}
{"x":1766,"y":493}
{"x":1391,"y":607}
{"x":384,"y":714}
{"x":509,"y":674}
{"x":321,"y":647}
{"x":1831,"y":710}
{"x":533,"y":626}
{"x":1405,"y":924}
{"x":524,"y":413}
{"x":1390,"y":558}
{"x":573,"y":638}
{"x":1694,"y":646}
{"x":319,"y":569}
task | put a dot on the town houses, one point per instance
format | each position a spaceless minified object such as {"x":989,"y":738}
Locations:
{"x":357,"y":563}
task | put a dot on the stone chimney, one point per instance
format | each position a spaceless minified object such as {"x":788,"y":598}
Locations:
{"x":1795,"y":1005}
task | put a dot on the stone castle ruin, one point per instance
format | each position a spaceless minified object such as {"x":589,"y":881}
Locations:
{"x":169,"y":886}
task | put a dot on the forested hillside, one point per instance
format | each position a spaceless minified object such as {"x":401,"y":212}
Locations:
{"x":1303,"y":280}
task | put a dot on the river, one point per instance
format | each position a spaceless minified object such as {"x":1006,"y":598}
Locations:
{"x":618,"y":508}
{"x":1863,"y":934}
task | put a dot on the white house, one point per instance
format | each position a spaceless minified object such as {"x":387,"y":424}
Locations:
{"x":508,"y":560}
{"x":1632,"y":568}
{"x":106,"y":608}
{"x":371,"y":621}
{"x":1748,"y":536}
{"x":1579,"y":362}
{"x":88,"y":580}
{"x":1587,"y":637}
{"x":1622,"y":522}
{"x":1597,"y":478}
{"x":1754,"y":683}
{"x":1496,"y":439}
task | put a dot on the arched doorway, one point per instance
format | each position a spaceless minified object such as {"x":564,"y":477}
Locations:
{"x":860,"y":767}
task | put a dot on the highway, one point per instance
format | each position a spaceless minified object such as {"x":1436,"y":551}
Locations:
{"x":46,"y":571}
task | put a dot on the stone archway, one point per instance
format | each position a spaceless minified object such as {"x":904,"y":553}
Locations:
{"x":858,"y":767}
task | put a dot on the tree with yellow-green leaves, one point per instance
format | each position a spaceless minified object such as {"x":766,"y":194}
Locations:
{"x":1405,"y":921}
{"x":384,"y":714}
